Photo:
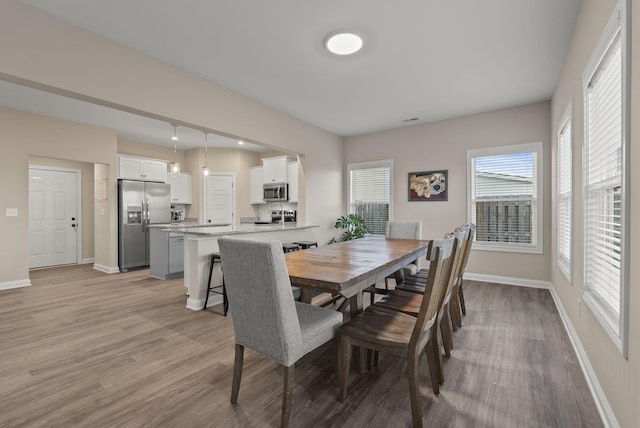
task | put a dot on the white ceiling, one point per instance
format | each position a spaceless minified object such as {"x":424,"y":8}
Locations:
{"x":425,"y":59}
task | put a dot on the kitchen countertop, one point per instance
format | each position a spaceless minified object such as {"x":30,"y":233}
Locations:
{"x":242,"y":229}
{"x":174,"y":225}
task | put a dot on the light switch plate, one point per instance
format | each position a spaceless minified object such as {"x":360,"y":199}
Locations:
{"x":12,"y":212}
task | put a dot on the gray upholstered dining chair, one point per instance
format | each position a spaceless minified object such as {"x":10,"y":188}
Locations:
{"x":399,"y":230}
{"x":266,"y":318}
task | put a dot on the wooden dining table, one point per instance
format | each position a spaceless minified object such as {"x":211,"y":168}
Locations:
{"x":348,"y":267}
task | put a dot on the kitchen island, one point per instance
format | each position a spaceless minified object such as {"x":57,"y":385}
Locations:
{"x":200,"y":242}
{"x":166,"y":248}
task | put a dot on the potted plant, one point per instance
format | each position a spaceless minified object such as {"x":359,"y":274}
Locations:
{"x":353,"y":226}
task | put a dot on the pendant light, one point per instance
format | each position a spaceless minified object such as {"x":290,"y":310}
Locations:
{"x":205,"y":168}
{"x":175,"y":166}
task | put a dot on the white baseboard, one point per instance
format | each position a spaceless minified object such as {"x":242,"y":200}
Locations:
{"x":198,"y":304}
{"x":195,"y":304}
{"x":106,"y":269}
{"x":606,"y":413}
{"x":521,"y":282}
{"x":15,"y":284}
{"x":87,"y":261}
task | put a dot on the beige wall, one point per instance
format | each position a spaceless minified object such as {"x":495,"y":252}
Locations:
{"x":87,"y":202}
{"x":444,"y":145}
{"x":70,"y":61}
{"x":618,"y":377}
{"x":222,"y":160}
{"x":27,"y":135}
{"x":134,"y":148}
{"x":106,"y":225}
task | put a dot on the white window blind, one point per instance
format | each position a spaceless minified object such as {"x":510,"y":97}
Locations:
{"x":370,"y":193}
{"x":505,"y":204}
{"x":564,"y":196}
{"x":603,"y":185}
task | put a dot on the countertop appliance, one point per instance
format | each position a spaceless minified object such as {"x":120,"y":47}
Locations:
{"x":276,"y":192}
{"x":289,"y":216}
{"x":140,"y":204}
{"x":177,"y":215}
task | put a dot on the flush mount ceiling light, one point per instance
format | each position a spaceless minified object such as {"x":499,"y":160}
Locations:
{"x":240,"y":142}
{"x":343,"y":43}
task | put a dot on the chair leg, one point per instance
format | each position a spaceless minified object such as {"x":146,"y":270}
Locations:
{"x":225,"y":301}
{"x":452,"y":310}
{"x":206,"y":299}
{"x":414,"y":390}
{"x":286,"y":396}
{"x":436,"y":337}
{"x":456,"y":318}
{"x":445,"y":330}
{"x":237,"y":373}
{"x":432,"y":360}
{"x":344,"y":363}
{"x":462,"y":306}
{"x":335,"y":357}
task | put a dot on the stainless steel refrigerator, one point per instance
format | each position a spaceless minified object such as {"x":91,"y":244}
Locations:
{"x":140,"y":204}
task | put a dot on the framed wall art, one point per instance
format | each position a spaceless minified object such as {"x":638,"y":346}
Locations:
{"x":428,"y":186}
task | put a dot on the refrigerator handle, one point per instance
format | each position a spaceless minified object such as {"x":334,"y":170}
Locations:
{"x":148,"y":219}
{"x":144,"y":215}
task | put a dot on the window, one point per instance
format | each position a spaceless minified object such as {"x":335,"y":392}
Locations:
{"x":505,"y":190}
{"x":370,"y":193}
{"x":564,"y":195}
{"x":605,"y":170}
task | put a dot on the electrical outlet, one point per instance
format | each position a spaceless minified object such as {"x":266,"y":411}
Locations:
{"x":12,"y":212}
{"x":579,"y":306}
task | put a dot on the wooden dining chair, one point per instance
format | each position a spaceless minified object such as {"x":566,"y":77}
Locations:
{"x":399,"y":230}
{"x":410,"y":303}
{"x":400,"y":334}
{"x":458,"y":304}
{"x":416,"y":283}
{"x":266,"y":318}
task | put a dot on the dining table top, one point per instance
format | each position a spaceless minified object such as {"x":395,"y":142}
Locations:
{"x":350,"y":266}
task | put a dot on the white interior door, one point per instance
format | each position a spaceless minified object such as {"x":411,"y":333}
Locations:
{"x":53,"y":217}
{"x":220,"y":198}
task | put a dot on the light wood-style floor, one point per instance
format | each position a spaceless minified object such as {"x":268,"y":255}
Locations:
{"x":83,"y":348}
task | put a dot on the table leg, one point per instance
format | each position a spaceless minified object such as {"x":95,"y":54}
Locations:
{"x":359,"y":353}
{"x":305,"y":295}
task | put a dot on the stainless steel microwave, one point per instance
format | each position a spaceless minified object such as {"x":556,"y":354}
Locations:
{"x":274,"y":192}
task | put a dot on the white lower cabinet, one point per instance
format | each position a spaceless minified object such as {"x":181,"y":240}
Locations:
{"x":166,"y":254}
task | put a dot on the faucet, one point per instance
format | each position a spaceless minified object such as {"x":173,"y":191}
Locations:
{"x":281,"y":209}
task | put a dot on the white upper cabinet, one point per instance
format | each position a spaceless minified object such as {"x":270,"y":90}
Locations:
{"x":135,"y":168}
{"x":275,"y":169}
{"x":292,"y":179}
{"x":256,"y":182}
{"x":180,"y":188}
